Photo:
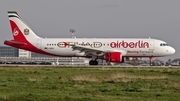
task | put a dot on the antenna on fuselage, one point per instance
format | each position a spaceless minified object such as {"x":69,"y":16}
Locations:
{"x":149,"y":37}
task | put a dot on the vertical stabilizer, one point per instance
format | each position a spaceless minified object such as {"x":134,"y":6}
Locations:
{"x":20,"y":30}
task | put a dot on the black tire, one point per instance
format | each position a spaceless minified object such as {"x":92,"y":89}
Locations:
{"x":92,"y":62}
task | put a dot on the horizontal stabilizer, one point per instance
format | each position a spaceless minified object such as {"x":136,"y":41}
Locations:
{"x":14,"y":42}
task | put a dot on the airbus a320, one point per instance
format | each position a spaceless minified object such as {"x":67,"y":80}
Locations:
{"x":109,"y":49}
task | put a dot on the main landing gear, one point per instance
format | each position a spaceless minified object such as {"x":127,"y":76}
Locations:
{"x":93,"y":62}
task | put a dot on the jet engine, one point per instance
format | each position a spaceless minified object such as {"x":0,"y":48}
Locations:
{"x":113,"y":57}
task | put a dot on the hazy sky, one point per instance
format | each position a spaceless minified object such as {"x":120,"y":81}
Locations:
{"x":158,"y":19}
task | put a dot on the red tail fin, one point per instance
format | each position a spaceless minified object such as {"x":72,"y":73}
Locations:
{"x":16,"y":32}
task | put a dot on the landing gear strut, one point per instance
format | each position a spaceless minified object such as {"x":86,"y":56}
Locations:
{"x":93,"y":62}
{"x":150,"y":58}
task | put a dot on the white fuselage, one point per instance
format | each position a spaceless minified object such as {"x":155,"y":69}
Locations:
{"x":132,"y":47}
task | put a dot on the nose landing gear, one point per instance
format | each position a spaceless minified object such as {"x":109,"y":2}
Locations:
{"x":150,"y":58}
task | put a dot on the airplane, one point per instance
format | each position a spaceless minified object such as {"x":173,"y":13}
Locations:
{"x":110,"y":49}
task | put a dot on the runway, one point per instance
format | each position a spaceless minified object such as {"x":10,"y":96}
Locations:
{"x":113,"y":66}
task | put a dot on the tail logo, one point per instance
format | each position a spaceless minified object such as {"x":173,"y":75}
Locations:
{"x":15,"y":32}
{"x":26,"y":31}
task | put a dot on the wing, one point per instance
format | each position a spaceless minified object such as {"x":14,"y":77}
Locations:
{"x":89,"y":51}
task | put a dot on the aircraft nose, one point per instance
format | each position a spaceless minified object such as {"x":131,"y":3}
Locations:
{"x":172,"y":50}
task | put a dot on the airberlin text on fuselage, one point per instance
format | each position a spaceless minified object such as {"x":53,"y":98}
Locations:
{"x":124,"y":44}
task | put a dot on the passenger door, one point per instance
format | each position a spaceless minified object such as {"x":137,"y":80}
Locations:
{"x":39,"y":43}
{"x":151,"y":44}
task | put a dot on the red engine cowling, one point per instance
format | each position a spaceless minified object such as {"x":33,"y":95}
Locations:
{"x":113,"y":57}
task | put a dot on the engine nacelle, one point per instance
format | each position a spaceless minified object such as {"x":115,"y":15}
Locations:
{"x":113,"y":57}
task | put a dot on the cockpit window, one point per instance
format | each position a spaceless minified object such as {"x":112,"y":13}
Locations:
{"x":163,"y":44}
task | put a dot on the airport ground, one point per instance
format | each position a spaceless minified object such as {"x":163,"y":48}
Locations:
{"x":85,"y":83}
